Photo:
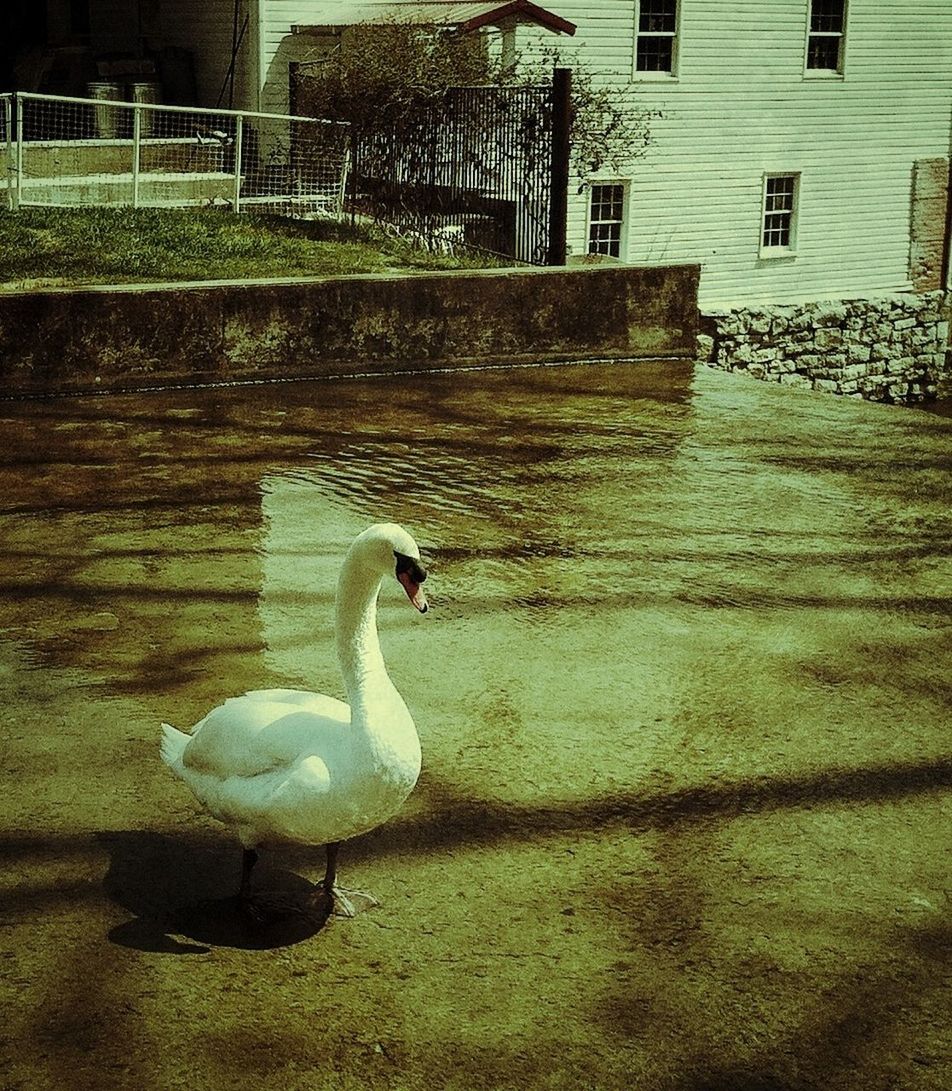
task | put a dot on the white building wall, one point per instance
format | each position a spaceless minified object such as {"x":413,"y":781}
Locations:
{"x":741,"y":105}
{"x":279,"y":47}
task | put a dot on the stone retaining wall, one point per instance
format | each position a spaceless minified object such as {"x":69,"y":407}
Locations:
{"x":892,"y":349}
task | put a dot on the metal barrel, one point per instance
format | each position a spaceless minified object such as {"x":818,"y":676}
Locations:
{"x":145,"y":91}
{"x":105,"y":118}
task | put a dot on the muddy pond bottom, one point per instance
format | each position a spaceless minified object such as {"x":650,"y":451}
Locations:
{"x":684,"y":700}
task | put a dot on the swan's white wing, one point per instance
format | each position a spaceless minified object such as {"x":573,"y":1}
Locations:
{"x":300,"y":698}
{"x":248,"y":736}
{"x":278,"y":772}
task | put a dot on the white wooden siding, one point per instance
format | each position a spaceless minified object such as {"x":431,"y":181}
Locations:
{"x":742,"y":105}
{"x":279,"y":47}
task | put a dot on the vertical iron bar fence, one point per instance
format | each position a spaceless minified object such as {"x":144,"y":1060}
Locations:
{"x":482,"y":167}
{"x":561,"y":150}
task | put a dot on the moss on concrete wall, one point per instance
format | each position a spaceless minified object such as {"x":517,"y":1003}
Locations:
{"x":72,"y":339}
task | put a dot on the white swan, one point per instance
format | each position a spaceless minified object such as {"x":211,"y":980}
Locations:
{"x":290,"y":766}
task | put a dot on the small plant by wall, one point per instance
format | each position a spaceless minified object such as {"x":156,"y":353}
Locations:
{"x":890,"y":349}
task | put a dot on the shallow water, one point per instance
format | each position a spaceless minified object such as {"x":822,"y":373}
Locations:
{"x":640,"y":552}
{"x":600,"y":539}
{"x":658,"y":597}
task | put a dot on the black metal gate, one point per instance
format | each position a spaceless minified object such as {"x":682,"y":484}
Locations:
{"x":483,"y":167}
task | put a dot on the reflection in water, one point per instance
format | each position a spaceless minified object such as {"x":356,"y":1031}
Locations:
{"x":561,"y":504}
{"x":685,"y":678}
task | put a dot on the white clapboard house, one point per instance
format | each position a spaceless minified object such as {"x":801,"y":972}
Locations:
{"x":802,"y":146}
{"x":802,"y":149}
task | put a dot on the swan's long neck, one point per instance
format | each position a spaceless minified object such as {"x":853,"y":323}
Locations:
{"x":358,"y":647}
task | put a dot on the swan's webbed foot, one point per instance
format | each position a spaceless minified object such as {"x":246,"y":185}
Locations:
{"x":269,"y":907}
{"x":348,"y":903}
{"x":264,"y":908}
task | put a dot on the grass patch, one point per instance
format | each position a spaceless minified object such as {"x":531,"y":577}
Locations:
{"x":123,"y":245}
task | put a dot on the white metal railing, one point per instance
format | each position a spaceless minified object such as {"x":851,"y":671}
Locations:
{"x":64,"y":151}
{"x":6,"y":135}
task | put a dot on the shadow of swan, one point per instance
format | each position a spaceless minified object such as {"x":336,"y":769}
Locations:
{"x":173,"y":889}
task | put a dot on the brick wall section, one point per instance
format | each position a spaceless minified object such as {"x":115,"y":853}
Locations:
{"x":134,"y":337}
{"x":930,"y":195}
{"x":892,"y":349}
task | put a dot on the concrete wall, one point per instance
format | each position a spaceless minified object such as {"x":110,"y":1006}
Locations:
{"x":105,"y":338}
{"x":929,"y":215}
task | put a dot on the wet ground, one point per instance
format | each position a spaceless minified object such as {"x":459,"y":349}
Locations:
{"x":684,"y":696}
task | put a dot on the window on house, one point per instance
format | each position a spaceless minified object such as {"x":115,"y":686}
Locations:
{"x":655,"y":49}
{"x":606,"y":219}
{"x":779,"y":230}
{"x":826,"y":35}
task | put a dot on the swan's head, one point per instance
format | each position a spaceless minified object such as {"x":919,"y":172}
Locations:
{"x":389,"y":547}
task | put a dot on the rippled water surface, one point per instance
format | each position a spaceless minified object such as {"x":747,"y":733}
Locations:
{"x":659,"y":598}
{"x":616,"y":542}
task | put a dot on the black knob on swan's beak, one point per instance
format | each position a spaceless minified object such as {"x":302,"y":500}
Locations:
{"x":411,"y":574}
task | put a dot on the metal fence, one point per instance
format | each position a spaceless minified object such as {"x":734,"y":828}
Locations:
{"x":64,"y":151}
{"x":482,"y":167}
{"x":475,"y":163}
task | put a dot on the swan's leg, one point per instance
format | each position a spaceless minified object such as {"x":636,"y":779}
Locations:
{"x":259,"y":909}
{"x":330,"y":872}
{"x":248,"y":860}
{"x":347,"y":903}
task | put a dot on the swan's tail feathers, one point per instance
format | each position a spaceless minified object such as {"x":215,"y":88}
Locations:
{"x":173,"y":746}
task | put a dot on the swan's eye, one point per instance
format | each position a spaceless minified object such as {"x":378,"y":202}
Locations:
{"x":413,"y":568}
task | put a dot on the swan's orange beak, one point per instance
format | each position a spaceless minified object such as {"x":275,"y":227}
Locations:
{"x":414,"y":591}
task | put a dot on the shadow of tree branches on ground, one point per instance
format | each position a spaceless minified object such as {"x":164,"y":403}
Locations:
{"x":149,"y":871}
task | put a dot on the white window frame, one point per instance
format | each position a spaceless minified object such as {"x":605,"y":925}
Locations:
{"x":826,"y":73}
{"x":624,"y":183}
{"x":790,"y":249}
{"x":674,"y":35}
